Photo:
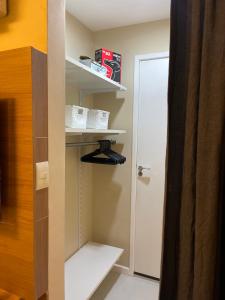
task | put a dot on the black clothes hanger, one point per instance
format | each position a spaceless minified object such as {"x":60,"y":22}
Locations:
{"x":111,"y":157}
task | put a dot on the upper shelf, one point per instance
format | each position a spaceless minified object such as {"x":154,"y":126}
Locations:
{"x":89,"y":80}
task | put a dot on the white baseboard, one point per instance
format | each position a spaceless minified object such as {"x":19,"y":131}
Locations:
{"x":121,"y":269}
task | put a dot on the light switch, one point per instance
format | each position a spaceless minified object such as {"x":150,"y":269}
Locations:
{"x":42,"y":175}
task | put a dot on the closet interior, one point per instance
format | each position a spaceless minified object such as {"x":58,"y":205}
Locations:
{"x":89,"y":254}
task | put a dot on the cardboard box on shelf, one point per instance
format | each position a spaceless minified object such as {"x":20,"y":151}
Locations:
{"x":112,"y":61}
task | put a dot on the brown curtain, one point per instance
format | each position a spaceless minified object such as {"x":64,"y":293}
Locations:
{"x":193,"y":264}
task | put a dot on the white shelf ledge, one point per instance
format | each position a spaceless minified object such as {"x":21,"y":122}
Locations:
{"x":77,"y":131}
{"x":88,"y":80}
{"x":85,"y":271}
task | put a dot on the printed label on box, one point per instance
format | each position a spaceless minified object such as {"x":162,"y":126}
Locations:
{"x":112,"y":62}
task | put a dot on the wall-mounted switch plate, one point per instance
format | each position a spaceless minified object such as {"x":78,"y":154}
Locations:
{"x":42,"y":175}
{"x":3,"y":8}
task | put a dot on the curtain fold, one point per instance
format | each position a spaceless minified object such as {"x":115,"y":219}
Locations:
{"x":193,"y":251}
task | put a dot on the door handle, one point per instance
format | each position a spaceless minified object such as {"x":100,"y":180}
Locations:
{"x":140,"y":170}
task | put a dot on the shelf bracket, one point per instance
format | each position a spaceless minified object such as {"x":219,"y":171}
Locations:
{"x":82,"y":96}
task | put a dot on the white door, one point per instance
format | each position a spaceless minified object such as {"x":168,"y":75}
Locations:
{"x":151,"y":154}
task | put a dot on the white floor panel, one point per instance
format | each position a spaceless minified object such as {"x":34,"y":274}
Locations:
{"x":86,"y":270}
{"x":122,"y":287}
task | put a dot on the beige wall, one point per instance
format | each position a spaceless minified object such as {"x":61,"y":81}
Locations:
{"x":112,"y":185}
{"x":112,"y":204}
{"x":78,"y":221}
{"x":79,"y":39}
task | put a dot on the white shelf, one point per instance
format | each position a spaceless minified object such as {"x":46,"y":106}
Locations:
{"x":85,"y":271}
{"x":88,"y":80}
{"x":75,"y":131}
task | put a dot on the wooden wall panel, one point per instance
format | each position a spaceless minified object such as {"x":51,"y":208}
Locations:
{"x":40,"y":146}
{"x":18,"y":151}
{"x":6,"y":296}
{"x":3,"y":8}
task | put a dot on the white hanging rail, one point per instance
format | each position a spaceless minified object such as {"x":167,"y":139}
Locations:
{"x":80,"y":144}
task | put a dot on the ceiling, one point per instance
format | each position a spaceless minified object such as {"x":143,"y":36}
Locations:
{"x":105,"y":14}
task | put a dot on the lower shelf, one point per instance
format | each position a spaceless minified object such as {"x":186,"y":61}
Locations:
{"x":86,"y":270}
{"x":74,"y":131}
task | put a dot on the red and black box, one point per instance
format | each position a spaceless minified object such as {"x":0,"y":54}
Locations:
{"x":112,"y":61}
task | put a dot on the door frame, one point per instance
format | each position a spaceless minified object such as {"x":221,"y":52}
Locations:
{"x":136,"y":100}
